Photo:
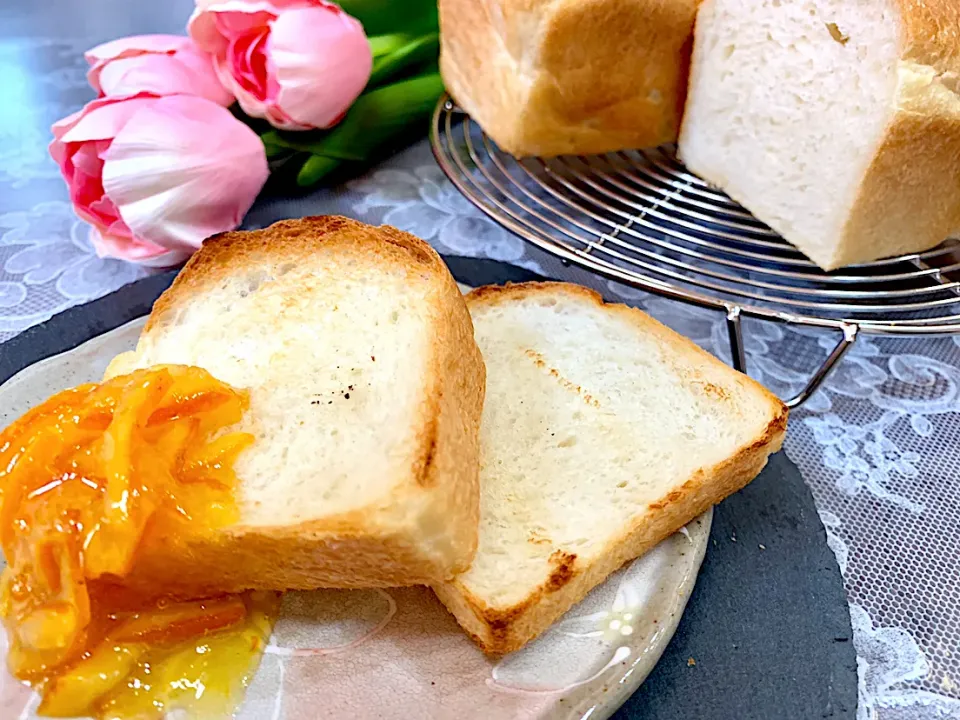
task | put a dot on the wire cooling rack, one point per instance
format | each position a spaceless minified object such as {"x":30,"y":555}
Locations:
{"x":640,"y":218}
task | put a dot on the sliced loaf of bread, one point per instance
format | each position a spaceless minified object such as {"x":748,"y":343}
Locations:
{"x":556,"y":77}
{"x":603,"y":432}
{"x":836,"y":122}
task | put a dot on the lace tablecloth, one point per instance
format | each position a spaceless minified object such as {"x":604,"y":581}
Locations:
{"x":879,"y":445}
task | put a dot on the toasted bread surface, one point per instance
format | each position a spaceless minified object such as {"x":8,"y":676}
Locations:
{"x":603,"y":433}
{"x":366,"y":388}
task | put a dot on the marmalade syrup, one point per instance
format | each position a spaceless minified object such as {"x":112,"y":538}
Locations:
{"x":86,"y":479}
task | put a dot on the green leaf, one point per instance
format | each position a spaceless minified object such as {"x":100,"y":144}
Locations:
{"x":381,"y":45}
{"x":271,"y":145}
{"x":379,"y":115}
{"x":315,"y":169}
{"x":378,"y":121}
{"x":394,"y":16}
{"x":416,"y":51}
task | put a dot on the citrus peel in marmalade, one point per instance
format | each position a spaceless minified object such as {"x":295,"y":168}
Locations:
{"x":89,"y":477}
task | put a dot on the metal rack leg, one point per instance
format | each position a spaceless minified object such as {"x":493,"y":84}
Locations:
{"x":735,"y":333}
{"x":850,"y":333}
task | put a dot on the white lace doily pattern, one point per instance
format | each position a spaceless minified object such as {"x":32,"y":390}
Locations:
{"x":879,"y":445}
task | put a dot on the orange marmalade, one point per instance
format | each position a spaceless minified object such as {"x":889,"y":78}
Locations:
{"x":86,"y":479}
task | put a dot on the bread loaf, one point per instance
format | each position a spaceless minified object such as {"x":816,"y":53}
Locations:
{"x":552,"y":77}
{"x":836,"y":122}
{"x":366,"y":388}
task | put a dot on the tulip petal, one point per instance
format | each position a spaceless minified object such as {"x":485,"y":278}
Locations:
{"x":235,"y":24}
{"x":239,"y":33}
{"x":190,"y":73}
{"x":202,"y":25}
{"x":247,"y":60}
{"x":322,"y":61}
{"x":136,"y":45}
{"x":130,"y":47}
{"x":219,"y":32}
{"x":204,"y":71}
{"x":81,"y":143}
{"x":248,"y":102}
{"x":86,"y":159}
{"x":134,"y":250}
{"x":61,"y":126}
{"x":100,"y":119}
{"x":275,"y":115}
{"x":183,"y":169}
{"x":252,"y":6}
{"x":82,"y":173}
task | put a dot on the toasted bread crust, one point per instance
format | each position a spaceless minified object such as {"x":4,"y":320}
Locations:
{"x":367,"y":547}
{"x":499,"y":630}
{"x":294,"y":240}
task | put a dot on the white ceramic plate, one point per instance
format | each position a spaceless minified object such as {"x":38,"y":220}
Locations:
{"x":398,"y":653}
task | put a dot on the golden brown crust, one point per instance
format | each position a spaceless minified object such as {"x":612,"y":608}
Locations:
{"x":349,"y":549}
{"x":284,"y":558}
{"x":295,"y":240}
{"x":909,"y":199}
{"x":455,"y":450}
{"x":930,"y":33}
{"x":550,"y":77}
{"x":501,"y":630}
{"x":563,"y":570}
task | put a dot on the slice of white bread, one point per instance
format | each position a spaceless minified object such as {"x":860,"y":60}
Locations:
{"x":603,"y":432}
{"x":549,"y":77}
{"x":366,"y":390}
{"x":836,"y":122}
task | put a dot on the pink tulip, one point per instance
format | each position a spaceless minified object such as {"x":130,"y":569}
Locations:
{"x":157,"y":64}
{"x":298,"y":63}
{"x":154,"y":176}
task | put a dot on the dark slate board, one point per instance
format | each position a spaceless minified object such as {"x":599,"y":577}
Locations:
{"x":768,"y":629}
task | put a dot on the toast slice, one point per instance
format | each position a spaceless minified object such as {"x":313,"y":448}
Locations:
{"x":603,"y":432}
{"x":366,"y":389}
